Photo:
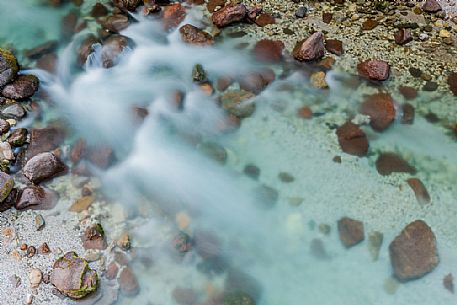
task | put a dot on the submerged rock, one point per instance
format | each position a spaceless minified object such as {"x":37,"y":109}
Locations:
{"x":413,"y":253}
{"x":6,"y":185}
{"x":310,"y":49}
{"x":128,"y":282}
{"x":173,"y":15}
{"x":420,"y":191}
{"x":112,"y":49}
{"x":22,"y":87}
{"x":389,"y":163}
{"x":94,"y":238}
{"x":229,"y":14}
{"x":381,"y":109}
{"x":42,"y":167}
{"x":116,"y":23}
{"x":193,"y":35}
{"x":374,"y":69}
{"x":85,"y":49}
{"x":267,"y":50}
{"x":72,"y":276}
{"x":452,"y":82}
{"x":238,"y":298}
{"x":44,"y":140}
{"x":448,"y":282}
{"x":238,"y":103}
{"x":351,"y":231}
{"x":8,"y":67}
{"x":352,"y":139}
{"x":36,"y":198}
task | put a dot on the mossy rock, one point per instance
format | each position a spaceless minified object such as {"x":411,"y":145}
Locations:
{"x":238,"y":298}
{"x":6,"y":185}
{"x":8,"y":67}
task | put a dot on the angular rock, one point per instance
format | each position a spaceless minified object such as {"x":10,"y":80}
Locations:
{"x":128,"y":282}
{"x":389,"y":163}
{"x":431,"y":6}
{"x":229,"y":14}
{"x":452,"y":82}
{"x":334,"y":46}
{"x":193,"y":35}
{"x":403,"y":36}
{"x":238,"y":103}
{"x":352,"y":139}
{"x":94,"y":238}
{"x":42,"y":167}
{"x":381,"y":109}
{"x":36,"y":198}
{"x":85,"y":49}
{"x":373,"y":69}
{"x":267,"y":50}
{"x":351,"y":231}
{"x":369,"y":24}
{"x":420,"y":191}
{"x":8,"y":67}
{"x":310,"y":49}
{"x":44,"y":140}
{"x":72,"y":276}
{"x":6,"y":185}
{"x":413,"y":253}
{"x":264,"y":20}
{"x":18,"y":137}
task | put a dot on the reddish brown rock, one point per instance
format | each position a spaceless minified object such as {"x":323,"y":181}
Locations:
{"x":452,"y":82}
{"x":193,"y":35}
{"x":403,"y":36}
{"x":310,"y":49}
{"x":409,"y":93}
{"x":253,"y":82}
{"x":36,"y":198}
{"x":129,"y":5}
{"x":374,"y":69}
{"x":264,"y":20}
{"x":381,"y":109}
{"x":43,"y":140}
{"x":18,"y":137}
{"x":47,"y":62}
{"x":334,"y":46}
{"x":267,"y":50}
{"x":305,"y":112}
{"x":431,"y":6}
{"x":94,"y":238}
{"x":173,"y":15}
{"x":213,"y":4}
{"x":42,"y":49}
{"x":43,"y":166}
{"x":100,"y":155}
{"x":224,"y":82}
{"x":23,"y":86}
{"x":98,"y":10}
{"x":420,"y":191}
{"x":327,"y":17}
{"x":448,"y":282}
{"x":85,"y":49}
{"x":112,"y":49}
{"x":78,"y":150}
{"x":111,"y":271}
{"x":413,"y":253}
{"x":229,"y":14}
{"x":352,"y":139}
{"x":128,"y":282}
{"x":369,"y":24}
{"x":389,"y":163}
{"x":116,"y":23}
{"x":69,"y":22}
{"x":408,"y":114}
{"x":351,"y":231}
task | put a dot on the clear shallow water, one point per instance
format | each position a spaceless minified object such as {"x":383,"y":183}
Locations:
{"x":159,"y":169}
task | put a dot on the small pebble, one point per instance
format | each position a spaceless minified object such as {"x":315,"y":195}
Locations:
{"x":39,"y":222}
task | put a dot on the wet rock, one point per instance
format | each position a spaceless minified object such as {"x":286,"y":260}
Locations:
{"x":351,"y":231}
{"x":31,"y":251}
{"x":98,"y":10}
{"x":36,"y":198}
{"x":352,"y":139}
{"x":448,"y":282}
{"x":375,"y":240}
{"x":94,"y":238}
{"x":85,"y":49}
{"x":42,"y":49}
{"x":4,"y":126}
{"x":408,"y":114}
{"x":252,"y":171}
{"x":207,"y":245}
{"x":82,"y":204}
{"x":264,"y":20}
{"x":193,"y":35}
{"x":452,"y":82}
{"x":286,"y":177}
{"x":224,"y":82}
{"x":182,"y":243}
{"x":184,"y":296}
{"x":334,"y":46}
{"x":8,"y":67}
{"x":318,"y":81}
{"x":6,"y":153}
{"x":431,"y":6}
{"x":10,"y":200}
{"x":267,"y":197}
{"x":173,"y":15}
{"x":409,"y":93}
{"x":44,"y":249}
{"x":18,"y":137}
{"x":111,"y":271}
{"x":237,"y":280}
{"x":420,"y":191}
{"x":44,"y":140}
{"x":6,"y":185}
{"x":72,"y":276}
{"x":112,"y":49}
{"x":212,"y":5}
{"x":403,"y":36}
{"x":13,"y":111}
{"x":128,"y":283}
{"x":124,"y":242}
{"x":388,"y":163}
{"x":238,"y":298}
{"x":238,"y":103}
{"x":229,"y":14}
{"x":214,"y":151}
{"x":310,"y":49}
{"x":42,"y":167}
{"x":305,"y":112}
{"x":317,"y":249}
{"x":116,"y":23}
{"x":129,"y":5}
{"x":35,"y":277}
{"x":413,"y":253}
{"x":199,"y":74}
{"x":47,"y":62}
{"x":101,"y":156}
{"x":374,"y":69}
{"x":253,"y":82}
{"x":430,"y":86}
{"x":267,"y":50}
{"x":415,"y":72}
{"x":69,"y":23}
{"x":381,"y":109}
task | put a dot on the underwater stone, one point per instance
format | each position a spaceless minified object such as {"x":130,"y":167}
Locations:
{"x":130,"y":5}
{"x":413,"y":253}
{"x":8,"y":67}
{"x":72,"y":276}
{"x":94,"y":238}
{"x":381,"y":109}
{"x":310,"y":49}
{"x":452,"y":82}
{"x":388,"y":163}
{"x":352,"y":139}
{"x":267,"y":50}
{"x":238,"y":298}
{"x":351,"y":231}
{"x":374,"y":244}
{"x":238,"y":103}
{"x":36,"y":198}
{"x":420,"y":191}
{"x":128,"y":282}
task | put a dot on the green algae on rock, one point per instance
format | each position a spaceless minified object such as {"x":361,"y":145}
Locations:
{"x":72,"y":276}
{"x":6,"y":185}
{"x":238,"y":298}
{"x":8,"y":67}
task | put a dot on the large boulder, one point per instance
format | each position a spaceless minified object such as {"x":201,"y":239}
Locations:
{"x":8,"y":67}
{"x":22,"y":87}
{"x":413,"y":253}
{"x":72,"y":276}
{"x":42,"y":167}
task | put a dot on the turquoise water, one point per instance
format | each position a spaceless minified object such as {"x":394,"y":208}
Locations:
{"x":251,"y":242}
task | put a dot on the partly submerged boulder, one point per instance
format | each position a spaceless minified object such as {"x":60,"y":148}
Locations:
{"x":8,"y":67}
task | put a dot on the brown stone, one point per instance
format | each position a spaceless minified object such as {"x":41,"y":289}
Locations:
{"x":327,"y":17}
{"x":334,"y":46}
{"x":36,"y":198}
{"x":4,"y":126}
{"x":8,"y":67}
{"x":213,"y":4}
{"x":448,"y":282}
{"x":98,"y":10}
{"x":94,"y":238}
{"x":43,"y":140}
{"x":264,"y":20}
{"x":369,"y":24}
{"x":403,"y":36}
{"x":420,"y":191}
{"x":22,"y":87}
{"x":111,"y":271}
{"x":381,"y":109}
{"x":413,"y":253}
{"x":310,"y":49}
{"x":408,"y":114}
{"x":173,"y":15}
{"x":388,"y":163}
{"x":129,"y":5}
{"x":116,"y":23}
{"x":128,"y":282}
{"x":253,"y":82}
{"x":229,"y":14}
{"x":69,"y":22}
{"x":351,"y":231}
{"x":431,"y":6}
{"x":374,"y":69}
{"x":193,"y":35}
{"x":267,"y":50}
{"x":78,"y":150}
{"x":82,"y":204}
{"x":409,"y":93}
{"x":85,"y":49}
{"x":352,"y":139}
{"x":112,"y":49}
{"x":305,"y":112}
{"x":101,"y":156}
{"x":42,"y":49}
{"x":47,"y":62}
{"x":224,"y":82}
{"x":43,"y":166}
{"x":452,"y":82}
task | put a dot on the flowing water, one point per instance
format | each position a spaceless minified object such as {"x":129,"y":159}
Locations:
{"x":272,"y":249}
